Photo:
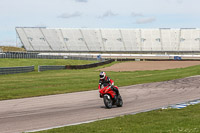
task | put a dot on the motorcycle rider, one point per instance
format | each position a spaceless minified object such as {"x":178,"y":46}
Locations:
{"x":105,"y":81}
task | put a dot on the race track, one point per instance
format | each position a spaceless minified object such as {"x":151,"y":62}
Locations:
{"x":57,"y":110}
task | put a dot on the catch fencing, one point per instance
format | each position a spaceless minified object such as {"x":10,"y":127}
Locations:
{"x":23,"y":55}
{"x":14,"y":70}
{"x":83,"y":58}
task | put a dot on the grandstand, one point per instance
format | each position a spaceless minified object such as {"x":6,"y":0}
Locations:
{"x":162,"y":40}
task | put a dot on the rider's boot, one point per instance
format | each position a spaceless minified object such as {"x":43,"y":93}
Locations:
{"x":117,"y":93}
{"x":116,"y":98}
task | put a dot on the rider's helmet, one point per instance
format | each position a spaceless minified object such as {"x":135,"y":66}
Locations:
{"x":102,"y":75}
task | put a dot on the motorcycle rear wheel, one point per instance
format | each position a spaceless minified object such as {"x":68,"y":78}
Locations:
{"x":120,"y":101}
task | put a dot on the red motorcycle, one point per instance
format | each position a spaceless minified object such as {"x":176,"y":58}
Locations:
{"x":109,"y":97}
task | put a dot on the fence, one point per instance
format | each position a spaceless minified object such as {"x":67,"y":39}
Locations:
{"x":83,"y":58}
{"x":13,"y":70}
{"x":29,"y":55}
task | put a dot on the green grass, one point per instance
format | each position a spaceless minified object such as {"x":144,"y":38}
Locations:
{"x":64,"y":81}
{"x":36,"y":62}
{"x":159,"y":121}
{"x":11,"y":49}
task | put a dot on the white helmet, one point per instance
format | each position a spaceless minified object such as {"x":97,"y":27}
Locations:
{"x":102,"y":75}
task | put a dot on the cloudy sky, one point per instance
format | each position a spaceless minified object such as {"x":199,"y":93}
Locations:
{"x":96,"y":14}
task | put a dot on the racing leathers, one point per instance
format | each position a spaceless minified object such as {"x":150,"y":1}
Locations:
{"x":107,"y":81}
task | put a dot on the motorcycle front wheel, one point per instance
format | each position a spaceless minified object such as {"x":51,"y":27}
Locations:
{"x":107,"y":101}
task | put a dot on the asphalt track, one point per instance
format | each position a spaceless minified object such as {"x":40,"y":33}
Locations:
{"x":56,"y":110}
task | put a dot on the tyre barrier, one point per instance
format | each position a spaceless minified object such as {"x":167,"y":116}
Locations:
{"x":14,"y":70}
{"x":25,"y":69}
{"x":45,"y":68}
{"x":89,"y":65}
{"x":125,"y":59}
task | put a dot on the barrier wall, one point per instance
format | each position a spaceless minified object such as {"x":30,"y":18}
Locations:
{"x":89,"y":65}
{"x":14,"y":70}
{"x":45,"y":68}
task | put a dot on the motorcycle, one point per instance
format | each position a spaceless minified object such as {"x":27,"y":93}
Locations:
{"x":109,"y":97}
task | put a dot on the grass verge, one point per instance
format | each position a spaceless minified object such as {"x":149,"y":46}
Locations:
{"x":66,"y":81}
{"x":159,"y":121}
{"x":30,"y":62}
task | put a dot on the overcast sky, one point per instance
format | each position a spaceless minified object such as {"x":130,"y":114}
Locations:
{"x":96,"y":14}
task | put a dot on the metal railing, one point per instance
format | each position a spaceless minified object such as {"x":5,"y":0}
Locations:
{"x":14,"y":70}
{"x":23,"y":55}
{"x":84,"y":58}
{"x":45,"y":68}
